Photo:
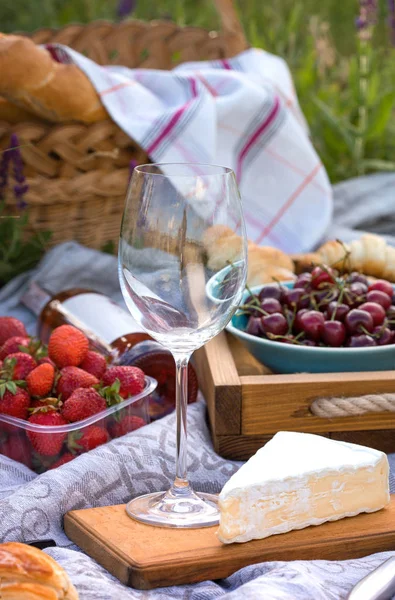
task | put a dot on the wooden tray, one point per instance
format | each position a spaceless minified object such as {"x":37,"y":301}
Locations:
{"x":145,"y":557}
{"x":247,"y":404}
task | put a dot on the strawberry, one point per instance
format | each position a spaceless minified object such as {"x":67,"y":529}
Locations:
{"x":83,"y":403}
{"x":131,"y":380}
{"x":14,"y":401}
{"x":67,"y":346}
{"x":94,"y":363}
{"x":18,"y":365}
{"x":47,"y":444}
{"x":43,"y":402}
{"x":72,"y":378}
{"x":127,"y":424}
{"x":12,"y":345}
{"x":40,"y":380}
{"x":87,"y":439}
{"x":17,"y":447}
{"x":65,"y":458}
{"x":46,"y":360}
{"x":9,"y":327}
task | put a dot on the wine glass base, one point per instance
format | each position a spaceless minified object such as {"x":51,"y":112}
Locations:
{"x":163,"y":509}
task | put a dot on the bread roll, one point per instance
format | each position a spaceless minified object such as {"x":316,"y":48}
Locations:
{"x":265,"y":264}
{"x":32,"y":80}
{"x":27,"y":573}
{"x":14,"y":114}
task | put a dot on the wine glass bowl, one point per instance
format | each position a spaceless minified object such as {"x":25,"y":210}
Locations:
{"x":182,"y":287}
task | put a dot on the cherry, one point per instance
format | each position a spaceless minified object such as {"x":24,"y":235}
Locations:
{"x":380,"y":298}
{"x":355,"y":294}
{"x":293,"y":297}
{"x":391,"y":317}
{"x":321,"y":277}
{"x":297,"y":324}
{"x":358,"y":341}
{"x":376,"y":310}
{"x":326,"y":296}
{"x":334,"y":333}
{"x":303,"y":281}
{"x":250,"y":310}
{"x":357,"y":277}
{"x":382,"y":286}
{"x":312,"y":323}
{"x":254,"y":326}
{"x":383,"y":336}
{"x":358,"y":320}
{"x":339,"y":310}
{"x":275,"y":323}
{"x":271,"y":305}
{"x":272,"y":290}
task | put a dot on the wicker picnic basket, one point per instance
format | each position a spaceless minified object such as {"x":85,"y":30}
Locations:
{"x":78,"y":174}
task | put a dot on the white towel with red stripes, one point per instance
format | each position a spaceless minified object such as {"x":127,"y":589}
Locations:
{"x":241,"y":113}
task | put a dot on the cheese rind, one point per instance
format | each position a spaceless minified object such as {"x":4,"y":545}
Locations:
{"x":297,"y":480}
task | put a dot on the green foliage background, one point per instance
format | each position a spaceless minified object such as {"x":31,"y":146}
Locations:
{"x":346,"y":88}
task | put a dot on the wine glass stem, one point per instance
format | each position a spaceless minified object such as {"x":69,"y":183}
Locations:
{"x":181,"y":485}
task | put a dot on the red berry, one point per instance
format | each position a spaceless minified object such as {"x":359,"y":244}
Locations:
{"x":360,"y":341}
{"x":374,"y":309}
{"x":338,"y":309}
{"x":382,"y":286}
{"x":127,"y":424}
{"x":65,"y":458}
{"x":17,"y":447}
{"x":312,"y":323}
{"x":321,"y":277}
{"x":19,"y":365}
{"x":270,"y":306}
{"x":72,"y":378}
{"x":334,"y":333}
{"x":358,"y":321}
{"x":254,"y":326}
{"x":275,"y":324}
{"x":12,"y":345}
{"x":10,"y":327}
{"x":379,"y":298}
{"x":40,"y":380}
{"x":47,"y":443}
{"x":67,"y":346}
{"x":88,"y":438}
{"x":94,"y":363}
{"x":383,"y":335}
{"x":83,"y":403}
{"x":46,"y":360}
{"x":131,"y":379}
{"x":15,"y":405}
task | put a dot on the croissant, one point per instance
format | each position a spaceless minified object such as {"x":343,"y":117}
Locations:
{"x":370,"y":255}
{"x":32,"y":80}
{"x":265,"y":264}
{"x":27,"y":573}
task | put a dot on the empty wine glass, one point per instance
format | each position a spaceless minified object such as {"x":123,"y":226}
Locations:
{"x":182,"y":269}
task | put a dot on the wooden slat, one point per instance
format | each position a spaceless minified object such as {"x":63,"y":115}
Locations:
{"x":220,"y":384}
{"x":242,"y":447}
{"x":145,"y":557}
{"x":281,"y":402}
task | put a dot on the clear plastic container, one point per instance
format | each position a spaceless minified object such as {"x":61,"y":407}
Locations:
{"x":116,"y":420}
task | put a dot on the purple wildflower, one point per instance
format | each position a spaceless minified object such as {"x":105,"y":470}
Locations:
{"x":391,"y":19}
{"x":125,"y":8}
{"x":367,"y":18}
{"x":12,"y":155}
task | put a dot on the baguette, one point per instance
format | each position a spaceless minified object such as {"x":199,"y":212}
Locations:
{"x":33,"y":81}
{"x":27,"y":573}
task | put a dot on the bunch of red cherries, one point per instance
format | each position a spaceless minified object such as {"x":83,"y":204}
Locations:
{"x":324,"y":309}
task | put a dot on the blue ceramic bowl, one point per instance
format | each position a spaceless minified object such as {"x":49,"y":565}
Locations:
{"x":288,"y":358}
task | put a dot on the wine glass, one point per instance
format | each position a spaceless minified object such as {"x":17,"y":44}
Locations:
{"x":182,"y":270}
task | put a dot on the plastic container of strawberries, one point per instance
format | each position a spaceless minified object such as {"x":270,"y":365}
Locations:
{"x":116,"y":420}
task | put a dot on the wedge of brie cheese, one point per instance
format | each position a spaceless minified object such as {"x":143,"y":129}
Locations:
{"x":300,"y":479}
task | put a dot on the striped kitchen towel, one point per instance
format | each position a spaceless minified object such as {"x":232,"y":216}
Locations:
{"x":241,"y":113}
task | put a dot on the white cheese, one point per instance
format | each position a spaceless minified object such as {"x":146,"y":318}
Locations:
{"x":300,"y":479}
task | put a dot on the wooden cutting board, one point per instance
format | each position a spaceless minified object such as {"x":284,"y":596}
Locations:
{"x":145,"y":557}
